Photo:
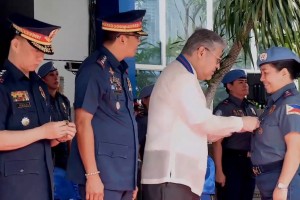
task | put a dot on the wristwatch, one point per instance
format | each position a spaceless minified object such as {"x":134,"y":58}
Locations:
{"x":282,"y":186}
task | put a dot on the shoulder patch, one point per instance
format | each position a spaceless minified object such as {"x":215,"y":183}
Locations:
{"x":292,"y":109}
{"x":102,"y":61}
{"x":2,"y":75}
{"x":226,"y":101}
{"x":218,"y":113}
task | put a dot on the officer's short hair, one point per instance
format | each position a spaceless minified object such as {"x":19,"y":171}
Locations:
{"x":202,"y":37}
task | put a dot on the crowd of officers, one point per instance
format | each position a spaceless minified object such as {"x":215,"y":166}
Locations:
{"x":38,"y":161}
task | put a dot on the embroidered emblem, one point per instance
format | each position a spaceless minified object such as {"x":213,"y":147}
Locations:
{"x":118,"y":105}
{"x":263,"y":56}
{"x":115,"y":84}
{"x":111,"y":71}
{"x":129,"y":85}
{"x":18,"y":96}
{"x":102,"y":60}
{"x":42,"y":92}
{"x":64,"y":107}
{"x":25,"y":121}
{"x":253,"y":111}
{"x":292,"y":109}
{"x":272,"y":109}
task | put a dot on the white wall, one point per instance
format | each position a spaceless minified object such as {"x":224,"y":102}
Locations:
{"x":71,"y":42}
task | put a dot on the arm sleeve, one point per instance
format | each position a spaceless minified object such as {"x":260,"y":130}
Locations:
{"x":192,"y":103}
{"x":87,"y":90}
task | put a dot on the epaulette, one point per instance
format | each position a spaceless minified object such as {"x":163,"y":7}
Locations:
{"x":2,"y":75}
{"x":102,"y":61}
{"x":288,"y":93}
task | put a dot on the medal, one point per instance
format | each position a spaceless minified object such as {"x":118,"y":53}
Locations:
{"x":25,"y":121}
{"x":118,"y":106}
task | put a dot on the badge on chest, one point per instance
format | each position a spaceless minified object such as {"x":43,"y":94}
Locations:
{"x":21,"y":99}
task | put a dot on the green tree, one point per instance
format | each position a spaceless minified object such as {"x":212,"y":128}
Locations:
{"x":274,"y":22}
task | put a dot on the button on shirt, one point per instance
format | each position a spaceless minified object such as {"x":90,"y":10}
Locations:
{"x":233,"y":106}
{"x":103,"y":89}
{"x":178,"y":126}
{"x":280,"y":117}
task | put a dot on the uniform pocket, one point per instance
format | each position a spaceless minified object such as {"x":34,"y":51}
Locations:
{"x":21,"y":167}
{"x":112,"y":150}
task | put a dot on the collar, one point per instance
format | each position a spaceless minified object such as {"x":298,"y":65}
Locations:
{"x":14,"y":72}
{"x":188,"y":66}
{"x":114,"y":63}
{"x":291,"y":87}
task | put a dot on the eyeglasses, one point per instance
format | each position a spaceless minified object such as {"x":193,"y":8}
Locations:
{"x":218,"y":58}
{"x":137,"y":36}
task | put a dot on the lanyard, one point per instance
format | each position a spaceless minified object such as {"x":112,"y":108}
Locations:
{"x":185,"y":63}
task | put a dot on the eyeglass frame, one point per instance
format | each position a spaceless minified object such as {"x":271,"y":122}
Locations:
{"x":219,"y":59}
{"x":137,"y":36}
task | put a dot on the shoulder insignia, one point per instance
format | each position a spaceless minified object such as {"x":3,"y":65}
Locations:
{"x":102,"y":60}
{"x":226,"y":101}
{"x":287,"y":94}
{"x":2,"y":73}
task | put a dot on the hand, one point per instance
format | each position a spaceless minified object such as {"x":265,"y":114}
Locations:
{"x":54,"y":130}
{"x":220,"y":177}
{"x":94,"y":188}
{"x":70,"y":135}
{"x":250,"y":124}
{"x":280,"y":194}
{"x":135,"y":193}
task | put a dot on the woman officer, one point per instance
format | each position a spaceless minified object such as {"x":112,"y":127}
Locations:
{"x":276,"y":144}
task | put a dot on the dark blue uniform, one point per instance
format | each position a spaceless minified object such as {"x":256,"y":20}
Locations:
{"x":25,"y":173}
{"x":268,"y":145}
{"x":104,"y":90}
{"x":236,"y":163}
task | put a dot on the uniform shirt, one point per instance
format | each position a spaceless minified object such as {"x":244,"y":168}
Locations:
{"x":178,"y":125}
{"x":60,"y":110}
{"x":103,"y":89}
{"x":25,"y":173}
{"x":280,"y":117}
{"x":233,"y":106}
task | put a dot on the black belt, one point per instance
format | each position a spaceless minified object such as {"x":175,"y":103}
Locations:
{"x":258,"y":169}
{"x":235,"y":152}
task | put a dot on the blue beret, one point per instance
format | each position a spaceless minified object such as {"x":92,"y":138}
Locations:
{"x":128,"y":22}
{"x":275,"y":54}
{"x":234,"y":75}
{"x":46,"y":69}
{"x":39,"y":34}
{"x":146,"y":91}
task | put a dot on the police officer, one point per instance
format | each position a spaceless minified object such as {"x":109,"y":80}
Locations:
{"x":276,"y":144}
{"x":60,"y":110}
{"x":232,"y":154}
{"x":26,"y":135}
{"x":103,"y":158}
